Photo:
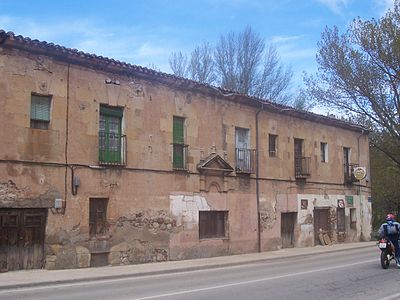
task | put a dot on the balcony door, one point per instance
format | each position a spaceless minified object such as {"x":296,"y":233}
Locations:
{"x":243,"y":155}
{"x":298,"y":153}
{"x":110,"y":134}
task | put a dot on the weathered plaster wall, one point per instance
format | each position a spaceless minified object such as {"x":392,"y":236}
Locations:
{"x":306,"y":217}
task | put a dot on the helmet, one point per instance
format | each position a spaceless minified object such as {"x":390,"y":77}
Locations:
{"x":390,"y":217}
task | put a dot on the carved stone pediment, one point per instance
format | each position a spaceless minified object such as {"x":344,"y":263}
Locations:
{"x":214,"y":165}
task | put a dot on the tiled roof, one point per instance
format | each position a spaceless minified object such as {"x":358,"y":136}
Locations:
{"x":9,"y":39}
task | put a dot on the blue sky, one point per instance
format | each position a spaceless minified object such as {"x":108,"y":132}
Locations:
{"x":145,"y":32}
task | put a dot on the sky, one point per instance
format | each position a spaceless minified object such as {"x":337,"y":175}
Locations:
{"x":145,"y":32}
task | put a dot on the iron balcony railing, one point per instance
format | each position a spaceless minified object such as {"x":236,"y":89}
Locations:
{"x":302,"y":167}
{"x":245,"y":161}
{"x":112,"y":149}
{"x":349,"y":173}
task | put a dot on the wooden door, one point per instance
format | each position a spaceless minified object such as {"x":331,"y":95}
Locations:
{"x":22,"y":239}
{"x":321,"y":224}
{"x":288,"y":220}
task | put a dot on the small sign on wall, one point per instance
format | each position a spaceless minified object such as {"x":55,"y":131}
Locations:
{"x":349,"y":200}
{"x":340,"y":203}
{"x":304,"y":203}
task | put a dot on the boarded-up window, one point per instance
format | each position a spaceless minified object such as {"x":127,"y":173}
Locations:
{"x":272,"y":139}
{"x":40,"y":111}
{"x":340,"y":219}
{"x":212,"y":224}
{"x":97,"y":216}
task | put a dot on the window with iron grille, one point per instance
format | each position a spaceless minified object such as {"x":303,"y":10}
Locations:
{"x":179,"y":147}
{"x":97,"y":216}
{"x":272,"y":145}
{"x":340,"y":219}
{"x":212,"y":224}
{"x":324,"y":152}
{"x":40,"y":111}
{"x":110,"y":137}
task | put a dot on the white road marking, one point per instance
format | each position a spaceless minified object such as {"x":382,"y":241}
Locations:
{"x":392,"y":297}
{"x":252,"y":281}
{"x":85,"y":283}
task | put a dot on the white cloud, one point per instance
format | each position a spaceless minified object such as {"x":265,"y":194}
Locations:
{"x":335,"y":6}
{"x":292,"y":48}
{"x":277,"y":39}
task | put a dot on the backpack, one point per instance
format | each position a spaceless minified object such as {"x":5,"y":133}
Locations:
{"x":391,"y":229}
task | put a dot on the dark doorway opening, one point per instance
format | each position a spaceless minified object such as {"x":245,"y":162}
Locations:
{"x":288,"y":221}
{"x":321,"y":223}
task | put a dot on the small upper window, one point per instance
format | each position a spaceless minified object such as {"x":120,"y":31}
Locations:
{"x":324,"y":152}
{"x":272,"y":145}
{"x":40,"y":111}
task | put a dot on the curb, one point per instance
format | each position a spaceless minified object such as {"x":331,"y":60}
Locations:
{"x":174,"y":269}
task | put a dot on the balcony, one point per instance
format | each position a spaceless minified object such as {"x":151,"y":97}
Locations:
{"x":349,"y":173}
{"x":112,"y":149}
{"x":302,"y":167}
{"x":245,"y":161}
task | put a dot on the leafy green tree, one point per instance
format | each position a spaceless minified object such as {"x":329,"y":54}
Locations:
{"x":385,"y":187}
{"x":359,"y":75}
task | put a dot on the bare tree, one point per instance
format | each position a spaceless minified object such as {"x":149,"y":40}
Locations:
{"x":274,"y":80}
{"x":240,"y":62}
{"x":178,"y":63}
{"x":225,"y":61}
{"x":359,"y":74}
{"x":247,"y":66}
{"x":201,"y":66}
{"x":238,"y":58}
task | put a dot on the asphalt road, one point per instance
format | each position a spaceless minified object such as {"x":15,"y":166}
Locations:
{"x":352,"y":274}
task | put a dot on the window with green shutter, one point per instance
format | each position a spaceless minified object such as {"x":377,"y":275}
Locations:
{"x":179,"y":147}
{"x":111,"y":140}
{"x":40,"y":111}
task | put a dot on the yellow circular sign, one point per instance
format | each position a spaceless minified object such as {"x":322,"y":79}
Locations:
{"x":360,"y":173}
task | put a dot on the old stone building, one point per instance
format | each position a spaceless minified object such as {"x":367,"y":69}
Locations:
{"x":103,"y":162}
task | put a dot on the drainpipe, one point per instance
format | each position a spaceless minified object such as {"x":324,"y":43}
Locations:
{"x":66,"y":139}
{"x":359,"y":188}
{"x":257,"y":182}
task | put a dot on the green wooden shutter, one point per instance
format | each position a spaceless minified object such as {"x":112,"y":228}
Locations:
{"x":178,"y":141}
{"x":178,"y":130}
{"x":110,"y":137}
{"x":40,"y":108}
